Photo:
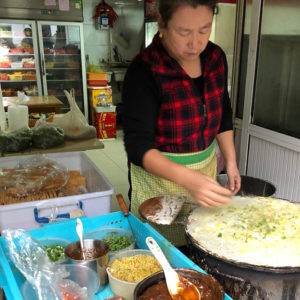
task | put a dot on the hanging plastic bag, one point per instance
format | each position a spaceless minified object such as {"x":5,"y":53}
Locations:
{"x":74,"y":123}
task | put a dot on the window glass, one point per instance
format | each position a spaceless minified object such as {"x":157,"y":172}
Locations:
{"x":244,"y":57}
{"x":277,"y":88}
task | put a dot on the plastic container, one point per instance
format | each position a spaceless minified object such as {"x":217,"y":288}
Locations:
{"x":119,"y":75}
{"x":15,"y":77}
{"x":11,"y":279}
{"x":96,"y":75}
{"x":107,"y":232}
{"x":97,"y":82}
{"x":120,"y":287}
{"x":28,"y":65}
{"x":82,"y":275}
{"x":16,"y":65}
{"x":109,"y":74}
{"x":33,"y":214}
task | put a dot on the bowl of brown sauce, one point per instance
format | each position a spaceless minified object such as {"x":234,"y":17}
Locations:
{"x":154,"y":287}
{"x":95,"y":257}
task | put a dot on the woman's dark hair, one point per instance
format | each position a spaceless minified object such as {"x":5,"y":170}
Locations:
{"x":167,"y":8}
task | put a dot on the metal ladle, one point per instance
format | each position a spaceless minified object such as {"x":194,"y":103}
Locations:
{"x":178,"y":286}
{"x":79,"y":230}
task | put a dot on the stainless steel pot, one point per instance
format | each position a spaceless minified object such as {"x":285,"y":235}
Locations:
{"x":251,"y":186}
{"x":98,"y":264}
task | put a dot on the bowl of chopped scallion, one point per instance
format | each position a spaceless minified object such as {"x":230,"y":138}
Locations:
{"x":116,"y":237}
{"x":55,"y":248}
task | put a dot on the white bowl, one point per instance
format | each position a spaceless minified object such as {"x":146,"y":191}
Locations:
{"x":121,"y":287}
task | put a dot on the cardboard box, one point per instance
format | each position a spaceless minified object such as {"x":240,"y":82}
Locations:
{"x":96,"y":95}
{"x":106,"y":122}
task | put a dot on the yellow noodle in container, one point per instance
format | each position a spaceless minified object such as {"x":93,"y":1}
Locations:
{"x":127,"y":268}
{"x":135,"y":268}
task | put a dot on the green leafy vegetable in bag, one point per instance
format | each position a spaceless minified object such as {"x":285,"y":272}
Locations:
{"x":47,"y":137}
{"x":16,"y":141}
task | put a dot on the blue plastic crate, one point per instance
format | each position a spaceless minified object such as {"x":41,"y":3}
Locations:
{"x":11,"y":279}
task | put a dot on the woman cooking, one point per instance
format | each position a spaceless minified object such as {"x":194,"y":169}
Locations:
{"x":175,"y":104}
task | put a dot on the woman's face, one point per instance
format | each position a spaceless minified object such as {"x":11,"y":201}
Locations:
{"x":187,"y":32}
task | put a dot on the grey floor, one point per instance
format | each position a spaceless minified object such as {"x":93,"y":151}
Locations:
{"x":112,"y":162}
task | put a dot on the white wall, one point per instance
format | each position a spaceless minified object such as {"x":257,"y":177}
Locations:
{"x":96,"y":42}
{"x":223,"y":33}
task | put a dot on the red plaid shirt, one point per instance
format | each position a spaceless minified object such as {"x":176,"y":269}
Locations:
{"x":184,"y":123}
{"x":162,"y":106}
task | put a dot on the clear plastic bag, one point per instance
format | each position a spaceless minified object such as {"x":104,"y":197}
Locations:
{"x":46,"y":277}
{"x":16,"y":141}
{"x":47,"y":134}
{"x":74,"y":123}
{"x":37,"y":174}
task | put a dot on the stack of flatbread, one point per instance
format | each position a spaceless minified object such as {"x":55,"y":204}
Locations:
{"x":41,"y":182}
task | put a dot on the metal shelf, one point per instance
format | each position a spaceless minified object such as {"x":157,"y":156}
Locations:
{"x":63,"y":69}
{"x":56,"y":54}
{"x":54,"y":80}
{"x":16,"y":81}
{"x":16,"y":37}
{"x":19,"y":54}
{"x":12,"y":69}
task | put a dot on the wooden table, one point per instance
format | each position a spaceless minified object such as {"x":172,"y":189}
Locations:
{"x":67,"y":146}
{"x":36,"y":104}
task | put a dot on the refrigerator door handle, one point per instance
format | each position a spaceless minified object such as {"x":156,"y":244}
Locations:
{"x":43,"y":65}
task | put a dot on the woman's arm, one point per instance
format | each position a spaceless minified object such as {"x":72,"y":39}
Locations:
{"x":202,"y":188}
{"x":225,"y":141}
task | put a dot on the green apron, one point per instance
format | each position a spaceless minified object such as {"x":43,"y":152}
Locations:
{"x":146,"y":185}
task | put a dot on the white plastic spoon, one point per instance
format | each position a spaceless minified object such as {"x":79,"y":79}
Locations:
{"x":79,"y":230}
{"x":179,"y":287}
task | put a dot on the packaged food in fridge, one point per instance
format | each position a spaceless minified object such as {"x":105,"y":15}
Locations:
{"x":4,"y":76}
{"x":16,"y":65}
{"x":16,"y":76}
{"x":29,"y":76}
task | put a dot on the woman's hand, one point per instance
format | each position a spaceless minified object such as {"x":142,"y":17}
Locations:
{"x":234,"y":178}
{"x":205,"y":190}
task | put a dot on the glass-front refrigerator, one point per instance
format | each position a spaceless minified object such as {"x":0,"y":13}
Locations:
{"x":43,"y":58}
{"x":62,"y":61}
{"x":19,"y":63}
